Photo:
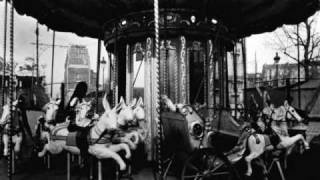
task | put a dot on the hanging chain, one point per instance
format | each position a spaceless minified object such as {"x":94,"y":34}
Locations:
{"x":157,"y":83}
{"x":11,"y":90}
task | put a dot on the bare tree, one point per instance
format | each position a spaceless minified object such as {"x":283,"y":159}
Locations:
{"x":306,"y":36}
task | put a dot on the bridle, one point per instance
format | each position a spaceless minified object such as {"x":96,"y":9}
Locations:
{"x":288,"y":112}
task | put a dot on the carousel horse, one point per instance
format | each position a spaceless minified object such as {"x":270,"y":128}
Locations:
{"x":47,"y":122}
{"x":132,"y":131}
{"x":139,"y":118}
{"x":130,"y":138}
{"x":84,"y":117}
{"x":101,"y":149}
{"x":259,"y":143}
{"x":17,"y":135}
{"x":139,"y":122}
{"x":195,"y":123}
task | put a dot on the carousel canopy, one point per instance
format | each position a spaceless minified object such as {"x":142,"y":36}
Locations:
{"x":242,"y":17}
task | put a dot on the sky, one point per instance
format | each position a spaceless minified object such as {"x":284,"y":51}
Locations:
{"x":24,"y":34}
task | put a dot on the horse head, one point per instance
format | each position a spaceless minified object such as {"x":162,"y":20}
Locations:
{"x":116,"y":117}
{"x":50,"y":109}
{"x":125,"y":113}
{"x":168,"y":103}
{"x":195,"y":122}
{"x":84,"y":113}
{"x":138,"y":111}
{"x":84,"y":110}
{"x":291,"y":113}
{"x":197,"y":106}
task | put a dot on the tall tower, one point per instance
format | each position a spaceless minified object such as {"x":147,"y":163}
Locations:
{"x":77,"y":68}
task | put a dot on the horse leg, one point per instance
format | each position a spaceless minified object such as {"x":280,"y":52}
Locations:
{"x":104,"y":152}
{"x":289,"y":150}
{"x":249,"y":159}
{"x":45,"y":136}
{"x":44,"y":150}
{"x":305,"y":142}
{"x":5,"y":140}
{"x":127,"y":140}
{"x":18,"y":141}
{"x":255,"y":151}
{"x":261,"y":163}
{"x":286,"y":142}
{"x":119,"y":147}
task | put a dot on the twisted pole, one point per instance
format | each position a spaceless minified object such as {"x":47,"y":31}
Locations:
{"x":52,"y":60}
{"x":157,"y":85}
{"x":11,"y":90}
{"x":4,"y":50}
{"x":98,"y":74}
{"x":37,"y":53}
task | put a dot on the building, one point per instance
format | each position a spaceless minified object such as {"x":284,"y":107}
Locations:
{"x":93,"y":78}
{"x":77,"y":68}
{"x":277,"y":74}
{"x":253,"y":79}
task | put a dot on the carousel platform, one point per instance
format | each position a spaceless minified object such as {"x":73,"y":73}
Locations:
{"x":36,"y":170}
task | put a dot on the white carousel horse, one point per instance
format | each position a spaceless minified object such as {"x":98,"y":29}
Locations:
{"x":47,"y":123}
{"x":108,"y":121}
{"x":82,"y":110}
{"x":260,"y":143}
{"x":112,"y":121}
{"x":135,"y":131}
{"x":16,"y":129}
{"x":139,"y":120}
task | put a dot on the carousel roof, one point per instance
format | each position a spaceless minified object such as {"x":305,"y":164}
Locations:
{"x":242,"y":17}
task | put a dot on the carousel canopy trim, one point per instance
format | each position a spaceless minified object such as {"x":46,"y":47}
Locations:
{"x":242,"y":17}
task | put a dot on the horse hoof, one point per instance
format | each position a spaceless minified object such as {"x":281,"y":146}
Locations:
{"x":40,"y":154}
{"x":122,"y":167}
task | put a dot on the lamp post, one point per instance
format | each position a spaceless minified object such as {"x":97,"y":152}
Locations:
{"x":276,"y":61}
{"x":103,"y":64}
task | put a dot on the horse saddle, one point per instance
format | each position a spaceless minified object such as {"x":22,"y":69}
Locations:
{"x":71,"y":139}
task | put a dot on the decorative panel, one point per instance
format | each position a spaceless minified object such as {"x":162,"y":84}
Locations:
{"x":163,"y":68}
{"x":115,"y":80}
{"x":148,"y":99}
{"x":129,"y":74}
{"x":173,"y":71}
{"x":211,"y":71}
{"x":182,"y":71}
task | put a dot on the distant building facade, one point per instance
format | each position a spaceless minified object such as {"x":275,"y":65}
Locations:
{"x":77,"y":68}
{"x":271,"y":77}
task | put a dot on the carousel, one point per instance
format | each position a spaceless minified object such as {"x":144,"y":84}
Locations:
{"x":174,"y":55}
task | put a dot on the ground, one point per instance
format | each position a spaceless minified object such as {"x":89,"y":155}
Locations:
{"x":300,"y":166}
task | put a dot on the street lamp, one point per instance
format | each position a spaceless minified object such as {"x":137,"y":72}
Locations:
{"x":276,"y":61}
{"x":103,"y":63}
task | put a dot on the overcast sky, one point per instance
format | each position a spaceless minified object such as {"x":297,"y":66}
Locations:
{"x":25,"y":34}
